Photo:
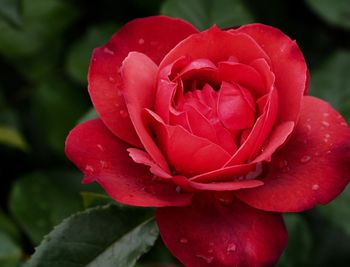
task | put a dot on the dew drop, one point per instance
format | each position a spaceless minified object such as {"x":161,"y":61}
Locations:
{"x":119,"y":92}
{"x":305,"y":159}
{"x":183,"y":241}
{"x":282,"y":163}
{"x":343,"y":124}
{"x":326,"y":114}
{"x":141,"y":41}
{"x":178,"y":189}
{"x":89,"y":168}
{"x":100,"y":147}
{"x":315,"y":187}
{"x":103,"y":164}
{"x":123,"y":113}
{"x":108,"y":51}
{"x":327,"y":136}
{"x":111,"y":79}
{"x":317,"y":154}
{"x":210,"y":250}
{"x":207,"y":259}
{"x":325,"y":124}
{"x":308,"y":127}
{"x":231,"y":247}
{"x":253,"y":174}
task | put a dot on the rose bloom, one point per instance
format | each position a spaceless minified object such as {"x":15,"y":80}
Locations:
{"x":216,"y":130}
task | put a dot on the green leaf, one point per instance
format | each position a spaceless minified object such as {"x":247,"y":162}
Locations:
{"x":10,"y":253}
{"x":334,"y":12}
{"x":92,"y":199}
{"x":204,"y":13}
{"x":299,"y":244}
{"x":57,"y":105}
{"x":39,"y":201}
{"x":91,"y":114}
{"x":338,"y":212}
{"x":101,"y":236}
{"x":12,"y":137}
{"x":81,"y":51}
{"x":43,"y":21}
{"x":331,"y":81}
{"x":10,"y":11}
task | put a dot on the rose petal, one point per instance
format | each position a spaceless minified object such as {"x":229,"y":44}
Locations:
{"x":145,"y":35}
{"x":103,"y":158}
{"x":278,"y":137}
{"x":142,"y":157}
{"x":190,"y":186}
{"x":259,"y":133}
{"x":216,"y":45}
{"x":225,"y":174}
{"x":139,"y":80}
{"x":244,"y":75}
{"x":210,"y":233}
{"x":236,"y":107}
{"x":188,"y":154}
{"x":288,"y":65}
{"x":313,"y":167}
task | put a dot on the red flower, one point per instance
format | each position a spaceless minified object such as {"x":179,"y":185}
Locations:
{"x":215,"y":129}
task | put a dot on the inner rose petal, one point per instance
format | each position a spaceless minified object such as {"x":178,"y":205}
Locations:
{"x":236,"y":107}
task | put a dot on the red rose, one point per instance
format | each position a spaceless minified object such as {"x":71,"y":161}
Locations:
{"x":215,"y":129}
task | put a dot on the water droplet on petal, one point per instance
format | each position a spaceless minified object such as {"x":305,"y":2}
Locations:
{"x":315,"y":187}
{"x":305,"y":159}
{"x":123,"y":114}
{"x":343,"y":124}
{"x":111,"y":79}
{"x":183,"y":241}
{"x":178,"y":189}
{"x":207,"y":259}
{"x":254,"y":174}
{"x":100,"y":147}
{"x":326,"y":114}
{"x":89,"y":168}
{"x":103,"y":164}
{"x":108,"y":51}
{"x":141,"y":41}
{"x":282,"y":163}
{"x":325,"y":124}
{"x":210,"y":250}
{"x":231,"y":247}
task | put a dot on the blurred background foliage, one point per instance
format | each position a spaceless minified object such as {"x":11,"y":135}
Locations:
{"x":45,"y":47}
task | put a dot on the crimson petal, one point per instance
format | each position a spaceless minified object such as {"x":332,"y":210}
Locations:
{"x":209,"y":233}
{"x":139,"y":79}
{"x":313,"y":167}
{"x":288,"y":65}
{"x":104,"y":158}
{"x":145,"y":35}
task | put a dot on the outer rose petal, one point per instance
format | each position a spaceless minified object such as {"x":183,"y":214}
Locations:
{"x":216,"y":45}
{"x":103,"y":158}
{"x":313,"y":167}
{"x":139,"y":80}
{"x":145,"y":35}
{"x":287,"y":63}
{"x":208,"y":233}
